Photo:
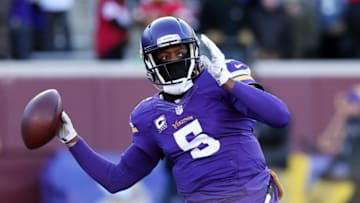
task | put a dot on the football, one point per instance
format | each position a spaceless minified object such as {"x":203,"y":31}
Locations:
{"x":41,"y":118}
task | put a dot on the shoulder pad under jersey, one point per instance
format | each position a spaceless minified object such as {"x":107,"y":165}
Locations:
{"x":140,"y":112}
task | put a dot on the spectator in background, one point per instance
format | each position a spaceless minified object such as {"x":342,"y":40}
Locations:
{"x":20,"y":29}
{"x":332,"y":29}
{"x":149,"y":10}
{"x":226,"y":22}
{"x":341,"y":141}
{"x":353,"y":141}
{"x":353,"y":27}
{"x":4,"y":29}
{"x":332,"y":139}
{"x":304,"y":20}
{"x":57,"y":27}
{"x":112,"y":32}
{"x":273,"y":30}
{"x":333,"y":150}
{"x":332,"y":167}
{"x":38,"y":26}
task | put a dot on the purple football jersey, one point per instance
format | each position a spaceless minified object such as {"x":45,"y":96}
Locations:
{"x":215,"y":153}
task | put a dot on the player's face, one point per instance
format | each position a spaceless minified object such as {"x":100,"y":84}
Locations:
{"x":172,"y":63}
{"x":172,"y":53}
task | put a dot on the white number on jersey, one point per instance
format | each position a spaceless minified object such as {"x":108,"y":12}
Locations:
{"x":194,"y":128}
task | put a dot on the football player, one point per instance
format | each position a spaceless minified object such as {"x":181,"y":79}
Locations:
{"x":202,"y":119}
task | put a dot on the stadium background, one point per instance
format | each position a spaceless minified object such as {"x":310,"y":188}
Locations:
{"x":100,"y":95}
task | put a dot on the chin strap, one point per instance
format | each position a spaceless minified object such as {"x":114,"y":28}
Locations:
{"x":179,"y":88}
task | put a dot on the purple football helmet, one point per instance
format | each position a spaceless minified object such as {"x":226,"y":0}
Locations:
{"x":174,"y":77}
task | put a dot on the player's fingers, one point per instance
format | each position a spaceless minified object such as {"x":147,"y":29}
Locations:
{"x":65,"y":118}
{"x":215,"y":52}
{"x":205,"y":61}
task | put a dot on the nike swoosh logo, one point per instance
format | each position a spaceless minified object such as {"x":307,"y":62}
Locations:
{"x":238,"y":65}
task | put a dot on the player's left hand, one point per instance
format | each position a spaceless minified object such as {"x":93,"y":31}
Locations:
{"x":217,"y":67}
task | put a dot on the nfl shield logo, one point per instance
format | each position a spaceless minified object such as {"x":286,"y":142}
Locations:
{"x":179,"y":110}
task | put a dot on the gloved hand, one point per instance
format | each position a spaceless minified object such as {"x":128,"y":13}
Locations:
{"x":217,"y":67}
{"x":66,"y":132}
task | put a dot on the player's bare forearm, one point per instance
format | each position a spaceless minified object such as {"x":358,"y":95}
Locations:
{"x":229,"y":85}
{"x":331,"y":138}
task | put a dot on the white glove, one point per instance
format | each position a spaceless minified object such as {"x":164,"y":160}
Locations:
{"x":217,"y":67}
{"x":66,"y":132}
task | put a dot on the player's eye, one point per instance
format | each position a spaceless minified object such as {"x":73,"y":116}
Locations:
{"x":163,"y":58}
{"x":172,"y":53}
{"x":171,"y":56}
{"x":181,"y":55}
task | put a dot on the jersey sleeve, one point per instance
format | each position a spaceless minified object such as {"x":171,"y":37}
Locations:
{"x":143,"y":133}
{"x":113,"y":176}
{"x":260,"y":105}
{"x":241,"y":72}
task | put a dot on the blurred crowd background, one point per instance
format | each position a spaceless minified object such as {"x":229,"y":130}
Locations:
{"x":324,"y":169}
{"x":244,"y":29}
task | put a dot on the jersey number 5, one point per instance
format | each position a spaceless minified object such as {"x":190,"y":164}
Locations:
{"x":191,"y":138}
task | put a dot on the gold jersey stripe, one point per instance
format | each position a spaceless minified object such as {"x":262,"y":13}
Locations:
{"x":134,"y":130}
{"x":243,"y":77}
